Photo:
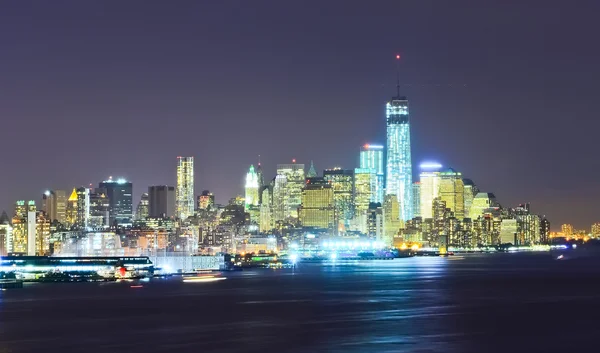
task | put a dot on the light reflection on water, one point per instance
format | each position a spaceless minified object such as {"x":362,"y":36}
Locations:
{"x":424,"y":304}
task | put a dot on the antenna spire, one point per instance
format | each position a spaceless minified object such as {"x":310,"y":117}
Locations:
{"x":259,"y":159}
{"x":398,"y":75}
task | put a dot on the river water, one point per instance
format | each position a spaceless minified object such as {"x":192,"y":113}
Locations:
{"x":471,"y":303}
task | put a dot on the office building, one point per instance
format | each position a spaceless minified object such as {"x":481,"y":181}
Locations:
{"x":142,"y":209}
{"x":544,"y":230}
{"x":595,"y":231}
{"x":365,"y":182}
{"x":42,"y":234}
{"x":567,"y":230}
{"x":416,"y":199}
{"x":452,"y":192}
{"x":508,"y":231}
{"x":371,"y":157}
{"x":24,"y":228}
{"x":429,"y":189}
{"x":342,"y":182}
{"x":294,"y":182}
{"x":399,"y":163}
{"x":391,"y":219}
{"x":470,"y":190}
{"x":120,"y":197}
{"x":6,"y":235}
{"x":161,"y":201}
{"x":99,"y":210}
{"x":375,"y":222}
{"x":251,"y":189}
{"x":481,"y":202}
{"x":317,"y":209}
{"x":266,"y":209}
{"x":280,"y":204}
{"x":54,"y":203}
{"x":71,"y":212}
{"x":82,"y":208}
{"x":185,"y":187}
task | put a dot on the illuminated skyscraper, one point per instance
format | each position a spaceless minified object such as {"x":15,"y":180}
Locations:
{"x":161,"y":201}
{"x":142,"y":210}
{"x":185,"y":187}
{"x":120,"y":196}
{"x":54,"y":203}
{"x":391,"y":219}
{"x":71,"y":213}
{"x":429,"y":190}
{"x":481,"y":202}
{"x":342,"y":181}
{"x":399,"y":163}
{"x":595,"y":230}
{"x":452,"y":192}
{"x":99,"y":214}
{"x":317,"y":204}
{"x":82,"y":208}
{"x":294,"y":177}
{"x":567,"y":230}
{"x":544,"y":230}
{"x":251,"y":188}
{"x":470,"y":191}
{"x":266,"y":209}
{"x":280,"y":209}
{"x":371,"y":156}
{"x":416,"y":199}
{"x":6,"y":235}
{"x":24,"y":228}
{"x":365,"y":182}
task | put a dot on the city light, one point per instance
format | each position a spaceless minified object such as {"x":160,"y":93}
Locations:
{"x":430,"y":166}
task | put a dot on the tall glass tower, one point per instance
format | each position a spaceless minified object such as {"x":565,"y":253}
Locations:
{"x":371,"y":157}
{"x":184,"y":196}
{"x":399,"y":165}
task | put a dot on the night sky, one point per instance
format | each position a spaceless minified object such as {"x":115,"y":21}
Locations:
{"x":503,"y":91}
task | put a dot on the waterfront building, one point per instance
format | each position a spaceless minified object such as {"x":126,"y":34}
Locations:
{"x":595,"y":231}
{"x":365,"y":184}
{"x":42,"y":234}
{"x":391,"y":219}
{"x":54,"y":203}
{"x":206,"y":200}
{"x":6,"y":235}
{"x":375,"y":225}
{"x":120,"y":197}
{"x":470,"y":190}
{"x":24,"y":228}
{"x":294,"y":182}
{"x":185,"y":187}
{"x":71,"y":212}
{"x":429,"y":189}
{"x":342,"y":182}
{"x":317,"y":208}
{"x":251,"y":188}
{"x":544,"y":230}
{"x":481,"y":202}
{"x":161,"y":201}
{"x":451,"y":190}
{"x":416,"y":199}
{"x":399,"y":162}
{"x":280,"y":205}
{"x":567,"y":230}
{"x":82,"y":208}
{"x":142,"y":210}
{"x":508,"y":231}
{"x":266,"y":210}
{"x":371,"y":157}
{"x":99,"y":206}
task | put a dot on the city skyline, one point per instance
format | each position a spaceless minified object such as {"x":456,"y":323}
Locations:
{"x":508,"y":149}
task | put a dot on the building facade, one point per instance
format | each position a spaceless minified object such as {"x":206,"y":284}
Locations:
{"x":399,"y":161}
{"x":120,"y":197}
{"x":342,"y":182}
{"x":161,"y":201}
{"x":317,"y":208}
{"x":428,"y":191}
{"x":251,"y":188}
{"x":294,"y":182}
{"x":452,"y":191}
{"x":54,"y":203}
{"x":185,"y":187}
{"x":371,"y":157}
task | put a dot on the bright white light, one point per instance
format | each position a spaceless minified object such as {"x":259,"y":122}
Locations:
{"x":203,"y":279}
{"x":430,"y":165}
{"x":333,"y":256}
{"x":310,"y":236}
{"x":574,"y":246}
{"x":121,"y":181}
{"x":294,"y":257}
{"x":47,"y":193}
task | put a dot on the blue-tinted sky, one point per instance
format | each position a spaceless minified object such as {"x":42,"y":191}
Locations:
{"x":503,"y":91}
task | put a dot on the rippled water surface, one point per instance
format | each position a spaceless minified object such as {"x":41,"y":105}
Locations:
{"x":473,"y":303}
